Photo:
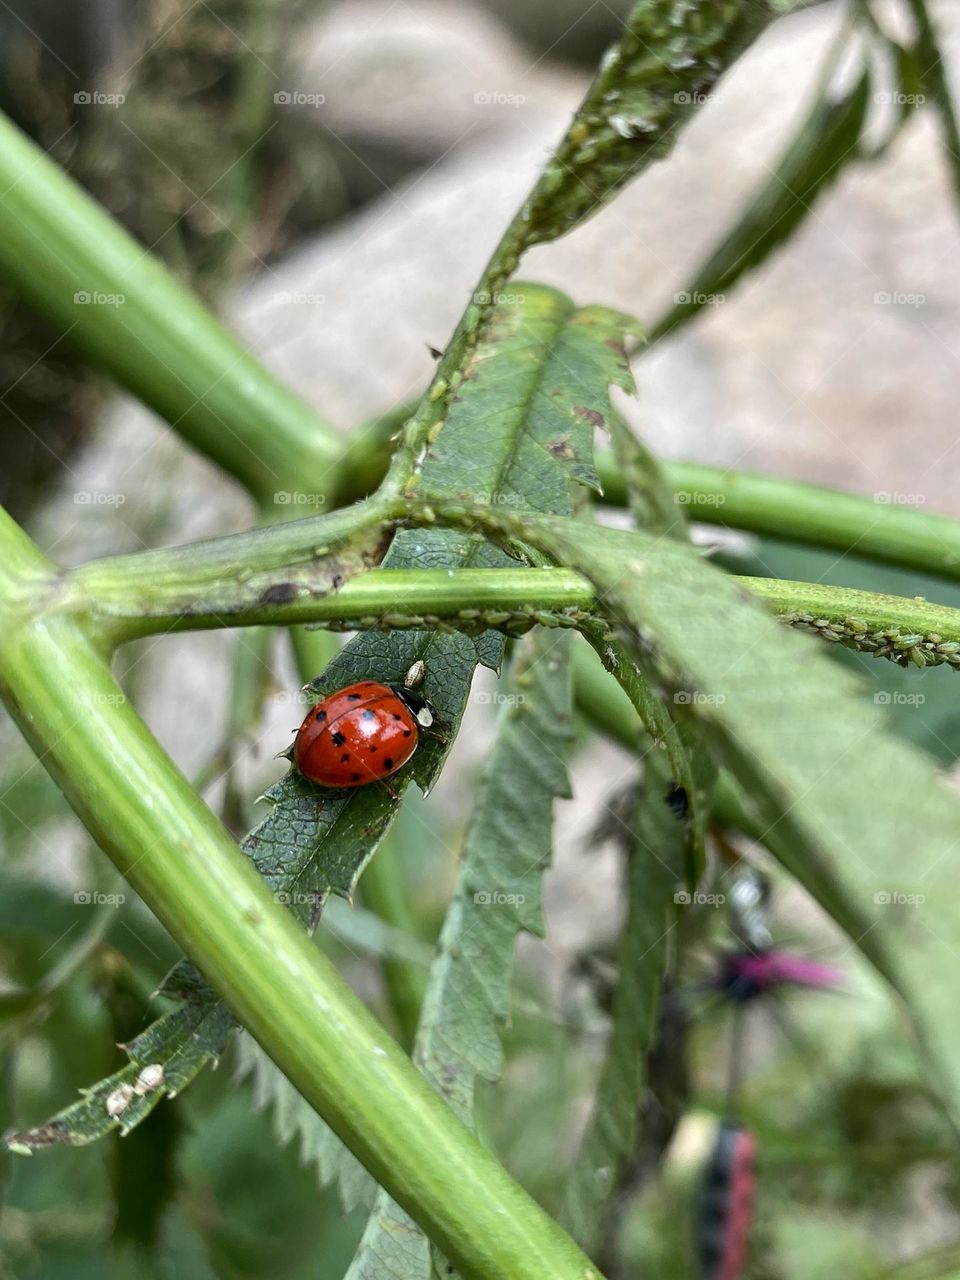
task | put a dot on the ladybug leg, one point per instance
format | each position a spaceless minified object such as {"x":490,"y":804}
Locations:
{"x":394,"y":795}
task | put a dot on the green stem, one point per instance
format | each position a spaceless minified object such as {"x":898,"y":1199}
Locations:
{"x":875,"y":610}
{"x":298,"y":572}
{"x":263,"y":575}
{"x":889,"y":626}
{"x":381,"y":598}
{"x":176,"y":855}
{"x":251,"y":680}
{"x":883,"y":528}
{"x":80,"y":269}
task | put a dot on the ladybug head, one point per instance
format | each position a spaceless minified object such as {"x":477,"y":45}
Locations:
{"x":420,"y":707}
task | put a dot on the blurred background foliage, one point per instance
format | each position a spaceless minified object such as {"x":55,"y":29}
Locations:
{"x":855,"y":1168}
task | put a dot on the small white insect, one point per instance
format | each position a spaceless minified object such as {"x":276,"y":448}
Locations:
{"x":150,"y":1078}
{"x":119,"y":1100}
{"x":414,"y":676}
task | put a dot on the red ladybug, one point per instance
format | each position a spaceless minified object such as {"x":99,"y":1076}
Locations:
{"x":361,"y":734}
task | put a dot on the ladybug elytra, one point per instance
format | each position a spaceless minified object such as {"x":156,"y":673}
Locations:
{"x":361,"y":734}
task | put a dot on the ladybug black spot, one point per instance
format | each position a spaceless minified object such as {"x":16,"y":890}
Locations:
{"x":397,"y":716}
{"x":372,"y":746}
{"x":321,"y":715}
{"x":356,"y":777}
{"x":345,"y":757}
{"x":407,"y":733}
{"x":353,"y":697}
{"x":337,"y":739}
{"x":388,"y":763}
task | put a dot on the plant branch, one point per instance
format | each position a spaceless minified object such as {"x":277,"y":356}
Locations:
{"x":176,"y":855}
{"x":419,"y":599}
{"x":127,"y":313}
{"x":884,"y":528}
{"x":268,"y":574}
{"x":312,"y":571}
{"x":905,"y":630}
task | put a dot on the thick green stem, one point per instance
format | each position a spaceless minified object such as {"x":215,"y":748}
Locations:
{"x":80,"y":269}
{"x":265,"y":575}
{"x":876,"y":611}
{"x":886,"y":528}
{"x":382,"y":598}
{"x":299,"y":572}
{"x":176,"y":855}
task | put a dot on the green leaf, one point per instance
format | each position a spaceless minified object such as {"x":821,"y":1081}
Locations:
{"x":519,"y":431}
{"x":859,"y":817}
{"x":826,"y":141}
{"x":177,"y":1046}
{"x":648,"y":85}
{"x":655,"y":851}
{"x":651,"y":501}
{"x":506,"y":850}
{"x":361,"y":929}
{"x":933,"y":64}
